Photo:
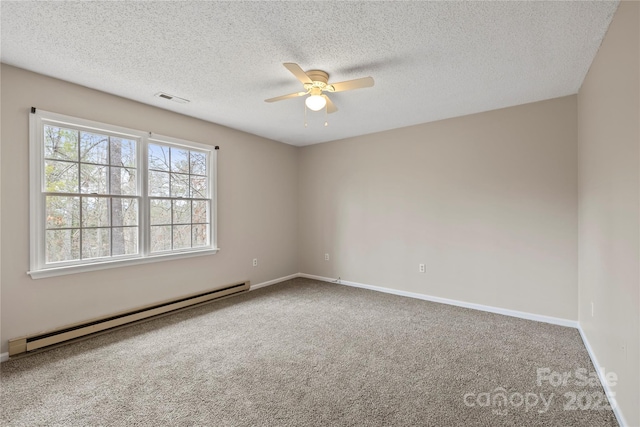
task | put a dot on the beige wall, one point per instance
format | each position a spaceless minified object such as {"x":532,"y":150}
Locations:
{"x":257,"y":208}
{"x":488,"y":202}
{"x":609,"y":212}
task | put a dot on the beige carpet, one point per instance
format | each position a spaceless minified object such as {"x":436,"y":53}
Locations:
{"x":308,"y":353}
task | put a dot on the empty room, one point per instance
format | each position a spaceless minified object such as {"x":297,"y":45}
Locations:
{"x":320,"y":213}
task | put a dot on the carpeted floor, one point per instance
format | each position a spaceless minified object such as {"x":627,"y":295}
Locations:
{"x":308,"y":353}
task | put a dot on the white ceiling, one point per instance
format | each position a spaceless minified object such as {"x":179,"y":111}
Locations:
{"x":430,"y":60}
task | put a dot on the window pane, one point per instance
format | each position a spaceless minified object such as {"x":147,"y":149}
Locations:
{"x":200,"y":235}
{"x":181,"y":236}
{"x":93,"y":179}
{"x":123,"y":181}
{"x":181,"y":211}
{"x":95,"y":212}
{"x":96,"y":242}
{"x":62,"y":245}
{"x":60,"y":143}
{"x":123,"y":152}
{"x":125,"y":241}
{"x":63,"y":212}
{"x":159,"y":184}
{"x":199,"y":211}
{"x":160,"y":211}
{"x":94,"y":148}
{"x":198,"y":163}
{"x":158,"y":157}
{"x":61,"y":177}
{"x":199,"y":187}
{"x":160,"y":238}
{"x":179,"y":160}
{"x":179,"y":185}
{"x":124,"y":211}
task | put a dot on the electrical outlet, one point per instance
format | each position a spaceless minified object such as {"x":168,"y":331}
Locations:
{"x":255,"y":262}
{"x":422,"y":268}
{"x":326,"y":257}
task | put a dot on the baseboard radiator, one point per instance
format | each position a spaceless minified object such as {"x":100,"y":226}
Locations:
{"x":83,"y":330}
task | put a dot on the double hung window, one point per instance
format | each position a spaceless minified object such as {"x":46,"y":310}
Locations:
{"x":104,"y":196}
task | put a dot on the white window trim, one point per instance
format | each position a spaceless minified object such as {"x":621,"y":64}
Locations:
{"x":38,"y":267}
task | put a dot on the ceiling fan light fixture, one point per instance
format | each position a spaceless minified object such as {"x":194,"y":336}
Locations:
{"x":315,"y":102}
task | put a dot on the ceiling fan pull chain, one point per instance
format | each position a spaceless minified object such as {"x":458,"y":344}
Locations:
{"x":326,"y":113}
{"x":305,"y":115}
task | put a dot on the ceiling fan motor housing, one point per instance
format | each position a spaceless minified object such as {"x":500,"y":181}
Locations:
{"x":318,"y":76}
{"x":319,"y":80}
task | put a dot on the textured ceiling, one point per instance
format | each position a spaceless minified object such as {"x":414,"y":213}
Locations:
{"x":430,"y":60}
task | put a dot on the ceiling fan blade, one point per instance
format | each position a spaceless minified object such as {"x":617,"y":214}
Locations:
{"x":331,"y":107}
{"x":352,"y":84}
{"x":280,"y":98}
{"x":298,"y":72}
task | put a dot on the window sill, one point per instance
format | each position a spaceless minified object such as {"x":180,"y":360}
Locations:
{"x":73,"y":269}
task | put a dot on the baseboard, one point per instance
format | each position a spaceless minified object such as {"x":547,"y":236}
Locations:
{"x":487,"y":308}
{"x":4,"y":357}
{"x":274,"y":281}
{"x":610,"y":394}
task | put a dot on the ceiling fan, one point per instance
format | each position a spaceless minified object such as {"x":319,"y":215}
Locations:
{"x":315,"y":82}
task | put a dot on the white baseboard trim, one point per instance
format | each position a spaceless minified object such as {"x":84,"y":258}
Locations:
{"x":273,"y":282}
{"x":601,"y":375}
{"x":490,"y":309}
{"x":4,"y":357}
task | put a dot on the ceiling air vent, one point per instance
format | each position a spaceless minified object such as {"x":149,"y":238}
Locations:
{"x":172,"y":98}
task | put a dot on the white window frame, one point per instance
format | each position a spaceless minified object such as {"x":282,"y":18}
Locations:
{"x":38,"y":267}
